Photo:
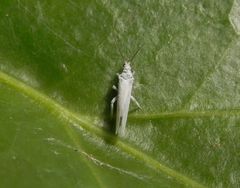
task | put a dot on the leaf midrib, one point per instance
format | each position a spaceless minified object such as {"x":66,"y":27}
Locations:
{"x":81,"y":121}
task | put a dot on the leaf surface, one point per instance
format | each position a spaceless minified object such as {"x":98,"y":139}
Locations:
{"x":58,"y":62}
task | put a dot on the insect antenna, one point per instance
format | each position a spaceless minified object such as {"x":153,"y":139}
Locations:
{"x":134,"y":55}
{"x":115,"y":41}
{"x":119,"y":50}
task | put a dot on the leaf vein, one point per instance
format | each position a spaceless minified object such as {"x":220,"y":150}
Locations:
{"x":209,"y":74}
{"x":82,"y":122}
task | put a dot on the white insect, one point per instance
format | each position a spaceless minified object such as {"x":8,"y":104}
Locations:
{"x":125,"y":84}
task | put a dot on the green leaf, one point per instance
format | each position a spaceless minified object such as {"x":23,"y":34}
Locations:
{"x":58,"y":62}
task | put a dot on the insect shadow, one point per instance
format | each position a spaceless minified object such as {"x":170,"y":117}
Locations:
{"x":110,"y":121}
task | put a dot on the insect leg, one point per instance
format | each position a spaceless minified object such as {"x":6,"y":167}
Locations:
{"x":135,"y":101}
{"x":114,"y":87}
{"x":112,"y":103}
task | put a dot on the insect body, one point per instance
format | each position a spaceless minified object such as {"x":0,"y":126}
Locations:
{"x":123,"y":98}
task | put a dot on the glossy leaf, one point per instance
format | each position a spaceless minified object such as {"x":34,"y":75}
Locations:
{"x":58,"y":62}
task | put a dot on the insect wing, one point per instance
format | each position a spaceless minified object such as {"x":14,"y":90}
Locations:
{"x":124,"y":95}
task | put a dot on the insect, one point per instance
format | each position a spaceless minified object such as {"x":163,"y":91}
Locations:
{"x":125,"y":83}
